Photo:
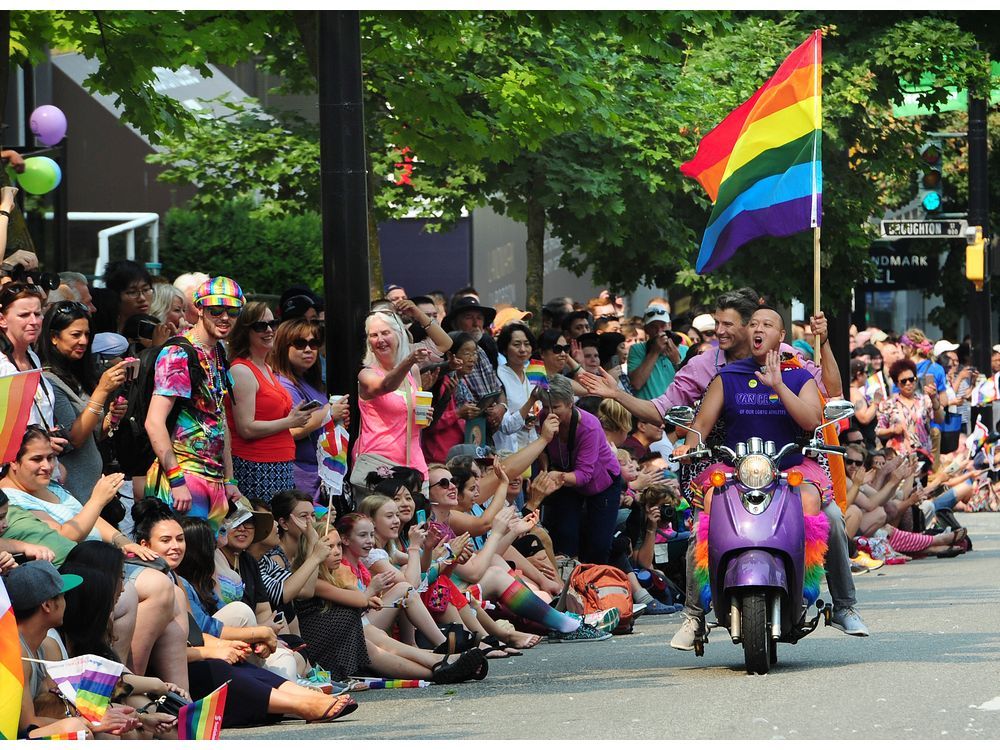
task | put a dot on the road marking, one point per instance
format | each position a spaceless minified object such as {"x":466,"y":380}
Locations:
{"x":993,"y":705}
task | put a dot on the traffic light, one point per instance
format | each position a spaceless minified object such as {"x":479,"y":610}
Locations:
{"x":975,"y":257}
{"x":930,"y":187}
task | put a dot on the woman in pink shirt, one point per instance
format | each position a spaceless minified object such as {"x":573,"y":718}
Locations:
{"x":387,"y":388}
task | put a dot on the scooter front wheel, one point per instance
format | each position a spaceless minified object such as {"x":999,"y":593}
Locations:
{"x":757,"y":644}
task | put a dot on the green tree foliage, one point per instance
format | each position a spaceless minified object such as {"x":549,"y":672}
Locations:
{"x":265,"y":255}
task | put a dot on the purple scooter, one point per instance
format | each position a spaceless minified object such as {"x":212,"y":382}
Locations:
{"x":757,"y":542}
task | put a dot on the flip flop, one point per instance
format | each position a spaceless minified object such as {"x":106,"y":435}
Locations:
{"x":342,"y":706}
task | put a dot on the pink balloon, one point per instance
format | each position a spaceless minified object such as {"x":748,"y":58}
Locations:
{"x":48,"y":123}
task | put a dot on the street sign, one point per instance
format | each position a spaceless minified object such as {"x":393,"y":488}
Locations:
{"x":947,"y":228}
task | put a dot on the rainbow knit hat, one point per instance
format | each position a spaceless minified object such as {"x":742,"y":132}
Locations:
{"x":219,"y":291}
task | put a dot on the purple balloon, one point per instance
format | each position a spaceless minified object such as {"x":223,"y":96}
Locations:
{"x":48,"y":123}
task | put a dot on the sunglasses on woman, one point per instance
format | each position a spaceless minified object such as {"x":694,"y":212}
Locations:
{"x":560,"y":349}
{"x":302,"y":344}
{"x":69,"y":306}
{"x":853,"y":462}
{"x":906,"y":381}
{"x":10,"y":291}
{"x":444,"y":483}
{"x":262,"y":325}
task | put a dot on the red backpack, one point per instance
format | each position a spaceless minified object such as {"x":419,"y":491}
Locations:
{"x":602,"y":587}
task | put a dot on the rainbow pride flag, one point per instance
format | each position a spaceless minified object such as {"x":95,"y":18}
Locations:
{"x":81,"y":735}
{"x":380,"y":684}
{"x":536,"y":374}
{"x":876,"y":384}
{"x":202,"y":720}
{"x":17,"y":394}
{"x":87,"y":682}
{"x":11,"y":671}
{"x":762,"y":166}
{"x":331,"y":454}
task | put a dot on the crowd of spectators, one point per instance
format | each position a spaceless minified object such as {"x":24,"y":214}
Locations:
{"x":166,"y":507}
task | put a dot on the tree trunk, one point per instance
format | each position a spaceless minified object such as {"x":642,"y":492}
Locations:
{"x":535,"y":251}
{"x":4,"y":62}
{"x":374,"y":247}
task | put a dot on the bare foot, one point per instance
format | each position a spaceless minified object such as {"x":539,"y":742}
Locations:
{"x":522,"y":640}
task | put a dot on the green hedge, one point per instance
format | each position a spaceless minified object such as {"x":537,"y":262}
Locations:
{"x":264,"y":255}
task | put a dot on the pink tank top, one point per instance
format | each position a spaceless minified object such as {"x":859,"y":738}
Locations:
{"x":388,"y":428}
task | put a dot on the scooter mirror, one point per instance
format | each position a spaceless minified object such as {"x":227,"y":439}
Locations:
{"x":682,"y":415}
{"x":837,"y":409}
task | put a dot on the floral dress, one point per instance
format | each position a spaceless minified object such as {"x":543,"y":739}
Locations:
{"x":917,"y":418}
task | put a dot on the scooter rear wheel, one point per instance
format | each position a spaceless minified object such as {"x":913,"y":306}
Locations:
{"x":757,"y":644}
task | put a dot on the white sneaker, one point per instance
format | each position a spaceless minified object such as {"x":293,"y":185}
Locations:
{"x":690,"y":630}
{"x":849,"y":621}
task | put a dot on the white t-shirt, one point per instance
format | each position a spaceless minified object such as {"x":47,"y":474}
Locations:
{"x":42,"y":409}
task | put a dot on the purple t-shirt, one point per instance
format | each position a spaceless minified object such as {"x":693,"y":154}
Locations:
{"x":305,"y":449}
{"x":590,"y":457}
{"x":752,"y":409}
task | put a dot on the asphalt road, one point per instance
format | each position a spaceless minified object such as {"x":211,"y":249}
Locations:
{"x":930,"y":671}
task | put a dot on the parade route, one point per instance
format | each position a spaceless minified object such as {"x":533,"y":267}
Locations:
{"x":929,"y":672}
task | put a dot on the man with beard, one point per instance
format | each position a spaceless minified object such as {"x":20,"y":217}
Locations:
{"x":193,"y":471}
{"x":733,"y":311}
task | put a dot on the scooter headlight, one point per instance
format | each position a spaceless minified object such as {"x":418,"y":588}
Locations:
{"x":756,"y":471}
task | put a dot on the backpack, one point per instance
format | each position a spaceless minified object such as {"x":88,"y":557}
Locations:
{"x":602,"y":587}
{"x":131,"y":443}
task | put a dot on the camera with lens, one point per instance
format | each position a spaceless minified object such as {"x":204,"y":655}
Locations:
{"x":48,"y":281}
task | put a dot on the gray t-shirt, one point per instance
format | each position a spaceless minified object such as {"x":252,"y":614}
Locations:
{"x":83,"y":465}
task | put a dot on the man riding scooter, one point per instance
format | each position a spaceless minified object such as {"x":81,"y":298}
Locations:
{"x":733,"y":313}
{"x":755,"y":396}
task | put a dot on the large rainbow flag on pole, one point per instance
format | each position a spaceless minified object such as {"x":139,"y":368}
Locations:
{"x":17,"y":394}
{"x":202,"y":720}
{"x":11,"y":671}
{"x":761,"y":166}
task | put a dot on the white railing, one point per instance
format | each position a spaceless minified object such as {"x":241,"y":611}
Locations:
{"x":132,"y":221}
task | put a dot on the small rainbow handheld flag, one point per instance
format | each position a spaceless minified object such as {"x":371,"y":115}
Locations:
{"x":81,"y":735}
{"x":875,"y":384}
{"x":202,"y":720}
{"x":379,"y":684}
{"x":761,"y":166}
{"x":87,"y":682}
{"x":536,"y":374}
{"x":17,"y":394}
{"x":11,"y":671}
{"x":331,"y":450}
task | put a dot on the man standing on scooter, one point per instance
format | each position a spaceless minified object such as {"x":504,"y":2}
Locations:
{"x":732,"y":315}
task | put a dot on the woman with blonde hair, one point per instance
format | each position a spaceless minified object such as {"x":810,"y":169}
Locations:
{"x":387,"y":388}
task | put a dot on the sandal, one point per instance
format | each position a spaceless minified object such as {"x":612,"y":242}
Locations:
{"x":498,"y":645}
{"x":343,"y":705}
{"x":466,"y":667}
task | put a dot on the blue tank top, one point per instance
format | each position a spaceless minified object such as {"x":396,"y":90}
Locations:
{"x":752,"y":409}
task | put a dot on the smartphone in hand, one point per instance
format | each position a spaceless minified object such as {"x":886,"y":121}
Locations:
{"x":311,"y":405}
{"x":421,"y":517}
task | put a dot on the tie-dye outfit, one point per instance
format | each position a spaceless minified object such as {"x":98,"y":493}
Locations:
{"x":199,"y":435}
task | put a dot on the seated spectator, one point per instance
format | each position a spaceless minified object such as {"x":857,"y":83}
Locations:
{"x":642,"y":437}
{"x":344,"y":642}
{"x":37,"y":596}
{"x":255,"y":694}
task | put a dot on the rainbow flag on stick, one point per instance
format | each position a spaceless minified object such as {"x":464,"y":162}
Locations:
{"x":379,"y":684}
{"x":202,"y":720}
{"x":86,"y":681}
{"x":761,"y":166}
{"x":81,"y":735}
{"x":11,"y":671}
{"x":536,"y":374}
{"x":17,"y":394}
{"x":331,"y":452}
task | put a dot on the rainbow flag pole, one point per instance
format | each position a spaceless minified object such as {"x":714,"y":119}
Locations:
{"x":762,"y":165}
{"x":202,"y":720}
